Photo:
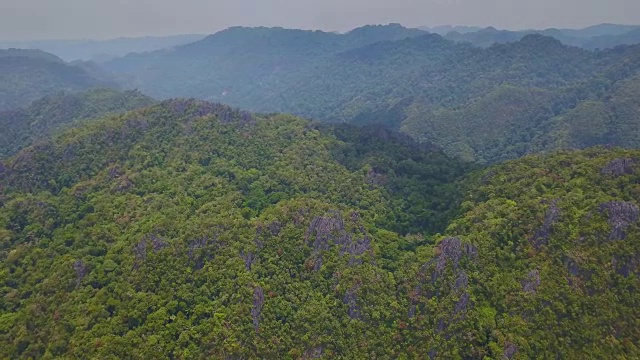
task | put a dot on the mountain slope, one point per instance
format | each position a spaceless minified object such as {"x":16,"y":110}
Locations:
{"x":603,"y":36}
{"x":433,"y":89}
{"x":193,"y":230}
{"x":558,"y":244}
{"x":22,"y":127}
{"x":27,"y":75}
{"x":103,"y":50}
{"x":243,"y":63}
{"x":247,"y":230}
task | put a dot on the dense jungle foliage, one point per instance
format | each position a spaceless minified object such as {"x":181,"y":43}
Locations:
{"x":43,"y":117}
{"x":514,"y":96}
{"x":192,"y":230}
{"x":603,"y":36}
{"x":28,"y":75}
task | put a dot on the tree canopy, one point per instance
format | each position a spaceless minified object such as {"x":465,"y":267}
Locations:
{"x":193,"y":230}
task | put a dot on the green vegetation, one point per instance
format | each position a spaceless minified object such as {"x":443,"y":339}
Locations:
{"x":193,"y":230}
{"x":28,"y":75}
{"x":604,"y":36}
{"x":519,"y":97}
{"x":103,"y":50}
{"x":45,"y":116}
{"x":557,"y":269}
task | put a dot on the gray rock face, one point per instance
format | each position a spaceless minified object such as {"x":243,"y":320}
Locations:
{"x":351,"y":300}
{"x":199,"y":251}
{"x":258,"y":241}
{"x":81,"y":271}
{"x":139,"y":124}
{"x":324,"y":230}
{"x":578,"y":273}
{"x":621,"y":215}
{"x":329,"y":230}
{"x":462,"y":304}
{"x":258,"y":303}
{"x":628,"y":265}
{"x":275,"y":227}
{"x":412,"y":310}
{"x":313,"y":353}
{"x":356,"y":248}
{"x":114,"y":172}
{"x":461,"y":282}
{"x":432,"y":354}
{"x":618,"y":167}
{"x":532,"y":282}
{"x":140,"y":250}
{"x":375,"y":178}
{"x":117,"y":175}
{"x":451,"y":251}
{"x":510,"y":351}
{"x":248,"y":258}
{"x":572,"y":267}
{"x":157,"y":243}
{"x":552,"y":215}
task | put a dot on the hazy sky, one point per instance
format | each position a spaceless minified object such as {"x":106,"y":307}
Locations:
{"x":49,"y":19}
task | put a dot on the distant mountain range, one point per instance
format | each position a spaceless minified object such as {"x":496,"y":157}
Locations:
{"x":102,"y":50}
{"x":587,"y":32}
{"x":28,"y":75}
{"x":51,"y":114}
{"x":527,"y":93}
{"x":481,"y":104}
{"x":186,"y":229}
{"x":595,"y":37}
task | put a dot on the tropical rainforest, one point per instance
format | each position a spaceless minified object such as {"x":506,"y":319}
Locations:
{"x":28,"y":75}
{"x":44,"y":117}
{"x":480,"y":104}
{"x":426,"y":199}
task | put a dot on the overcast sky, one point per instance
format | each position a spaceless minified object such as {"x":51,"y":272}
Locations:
{"x":100,"y":19}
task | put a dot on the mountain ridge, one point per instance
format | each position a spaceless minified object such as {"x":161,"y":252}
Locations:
{"x":44,"y":117}
{"x":396,"y":82}
{"x":190,"y":229}
{"x":27,"y":75}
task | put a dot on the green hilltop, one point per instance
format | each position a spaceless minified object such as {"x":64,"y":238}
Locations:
{"x":44,"y":117}
{"x":193,"y":230}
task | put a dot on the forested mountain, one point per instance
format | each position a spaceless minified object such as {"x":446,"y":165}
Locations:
{"x":482,"y":104}
{"x":584,"y":33}
{"x":596,"y":37}
{"x":445,"y":29}
{"x":103,"y":50}
{"x":547,"y":257}
{"x":43,"y":117}
{"x":27,"y":75}
{"x":599,"y":30}
{"x":241,"y":65}
{"x":193,"y":230}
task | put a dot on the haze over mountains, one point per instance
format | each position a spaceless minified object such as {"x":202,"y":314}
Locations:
{"x":28,"y":75}
{"x":102,"y":50}
{"x":44,"y":117}
{"x":594,"y":37}
{"x":470,"y":195}
{"x":404,"y":79}
{"x":482,"y":104}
